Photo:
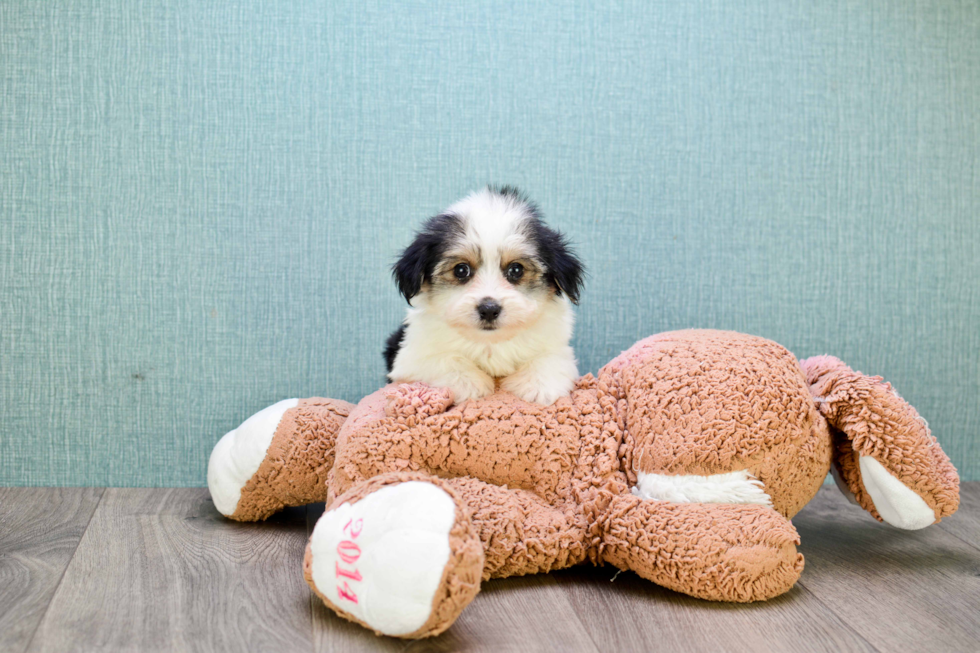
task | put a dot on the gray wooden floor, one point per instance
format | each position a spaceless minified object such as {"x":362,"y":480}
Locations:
{"x":158,"y":569}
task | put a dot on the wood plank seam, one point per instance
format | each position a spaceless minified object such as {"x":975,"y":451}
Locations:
{"x":961,"y":542}
{"x":843,"y":621}
{"x":61,"y":578}
{"x":585,"y":627}
{"x":972,"y":545}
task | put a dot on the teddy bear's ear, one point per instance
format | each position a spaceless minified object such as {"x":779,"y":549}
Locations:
{"x":885,"y":456}
{"x":418,"y":261}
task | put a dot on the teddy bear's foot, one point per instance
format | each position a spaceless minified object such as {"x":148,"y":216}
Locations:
{"x":278,"y":457}
{"x":396,"y":554}
{"x":884,"y":455}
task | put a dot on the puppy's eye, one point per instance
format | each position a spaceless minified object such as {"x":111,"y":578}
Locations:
{"x":514,"y":272}
{"x":462,"y":271}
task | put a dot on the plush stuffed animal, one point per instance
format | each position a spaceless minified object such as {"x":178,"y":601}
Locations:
{"x":683,"y":461}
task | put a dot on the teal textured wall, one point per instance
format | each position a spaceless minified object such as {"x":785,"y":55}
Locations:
{"x":199,"y":200}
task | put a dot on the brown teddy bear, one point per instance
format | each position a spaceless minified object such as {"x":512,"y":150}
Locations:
{"x":683,"y":461}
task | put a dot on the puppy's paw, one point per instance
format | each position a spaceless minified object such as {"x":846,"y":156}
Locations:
{"x":539,"y":395}
{"x":471,"y":384}
{"x":465,"y":389}
{"x":464,"y":379}
{"x":543,"y":381}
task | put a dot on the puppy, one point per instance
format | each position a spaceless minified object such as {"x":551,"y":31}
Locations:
{"x":490,"y":289}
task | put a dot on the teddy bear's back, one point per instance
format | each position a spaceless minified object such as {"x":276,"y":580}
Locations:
{"x":704,"y":402}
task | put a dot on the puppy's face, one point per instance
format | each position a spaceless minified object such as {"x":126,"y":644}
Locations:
{"x":488,"y":266}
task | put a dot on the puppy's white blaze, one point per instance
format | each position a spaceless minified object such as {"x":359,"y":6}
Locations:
{"x":239,"y":453}
{"x":897,"y":504}
{"x":492,"y":218}
{"x":386,"y":573}
{"x":731,"y":487}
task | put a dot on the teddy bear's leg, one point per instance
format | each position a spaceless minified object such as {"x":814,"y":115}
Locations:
{"x":278,"y":457}
{"x":521,"y":533}
{"x":718,"y":552}
{"x":884,"y":454}
{"x":403,"y":553}
{"x":397,"y":553}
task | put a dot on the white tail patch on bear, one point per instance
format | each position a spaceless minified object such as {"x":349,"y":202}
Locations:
{"x":731,"y":487}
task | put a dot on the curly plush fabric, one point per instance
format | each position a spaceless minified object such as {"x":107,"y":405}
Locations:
{"x":709,"y":402}
{"x":541,"y":488}
{"x":871,"y":419}
{"x":733,"y":553}
{"x":295,"y":468}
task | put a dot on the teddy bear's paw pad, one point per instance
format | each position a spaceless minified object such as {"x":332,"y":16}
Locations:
{"x":897,"y":504}
{"x":238,"y":455}
{"x":383,"y":558}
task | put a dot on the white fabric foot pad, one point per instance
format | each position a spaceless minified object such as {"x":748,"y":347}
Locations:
{"x":381,"y":560}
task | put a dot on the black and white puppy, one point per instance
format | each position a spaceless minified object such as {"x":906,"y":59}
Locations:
{"x":490,"y":289}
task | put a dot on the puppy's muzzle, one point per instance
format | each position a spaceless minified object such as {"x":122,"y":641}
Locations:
{"x":488,"y":310}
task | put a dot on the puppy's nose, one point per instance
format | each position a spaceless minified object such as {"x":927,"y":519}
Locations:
{"x":489,"y":309}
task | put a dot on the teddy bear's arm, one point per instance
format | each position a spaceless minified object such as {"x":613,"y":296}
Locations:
{"x":521,"y":533}
{"x":278,"y":457}
{"x":718,"y":552}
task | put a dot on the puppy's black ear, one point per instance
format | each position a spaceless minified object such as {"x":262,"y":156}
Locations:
{"x":417,"y":262}
{"x":565,"y":270}
{"x":568,"y":271}
{"x":409,"y":270}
